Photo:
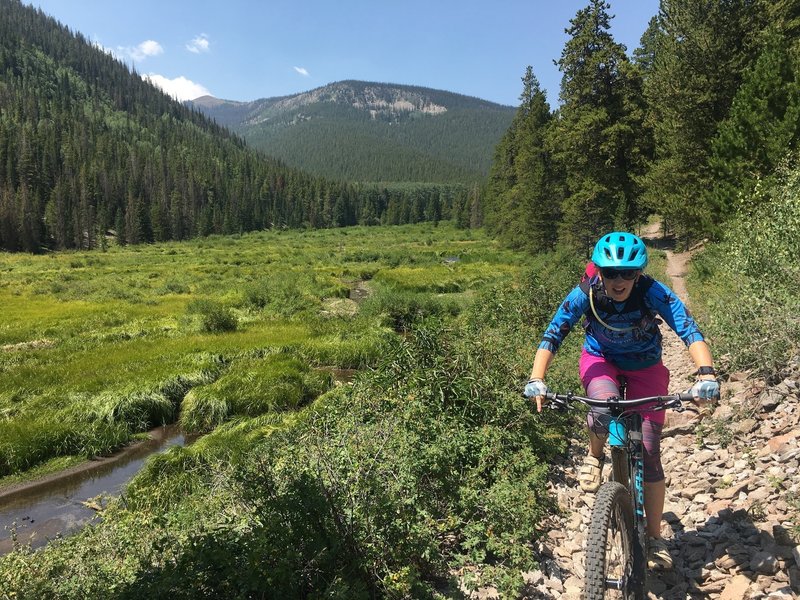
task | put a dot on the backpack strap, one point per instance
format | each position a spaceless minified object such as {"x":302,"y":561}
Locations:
{"x":634,"y":302}
{"x":599,"y":320}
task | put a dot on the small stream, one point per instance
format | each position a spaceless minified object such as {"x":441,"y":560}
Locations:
{"x":61,"y":504}
{"x":55,"y":506}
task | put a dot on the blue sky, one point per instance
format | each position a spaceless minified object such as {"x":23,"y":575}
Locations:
{"x":245,"y":50}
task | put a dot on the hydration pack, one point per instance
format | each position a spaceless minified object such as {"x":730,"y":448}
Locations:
{"x":598,"y":300}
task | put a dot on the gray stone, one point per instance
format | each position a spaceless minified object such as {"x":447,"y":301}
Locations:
{"x":779,"y":594}
{"x":764,"y":562}
{"x":770,"y":399}
{"x":746,"y":426}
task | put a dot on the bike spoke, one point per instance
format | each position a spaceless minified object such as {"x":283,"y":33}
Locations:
{"x":618,"y":563}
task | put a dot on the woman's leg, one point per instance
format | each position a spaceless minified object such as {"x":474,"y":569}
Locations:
{"x":599,"y":379}
{"x":654,"y":494}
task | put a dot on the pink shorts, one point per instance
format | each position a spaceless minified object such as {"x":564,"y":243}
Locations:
{"x":650,"y":381}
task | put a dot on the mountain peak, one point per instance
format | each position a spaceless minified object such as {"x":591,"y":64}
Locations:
{"x":368,"y":131}
{"x":212,"y":102}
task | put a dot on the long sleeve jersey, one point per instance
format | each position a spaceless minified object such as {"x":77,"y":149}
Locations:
{"x":640,"y":345}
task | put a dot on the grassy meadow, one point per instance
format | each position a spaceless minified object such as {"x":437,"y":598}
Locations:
{"x":96,"y":347}
{"x":430,"y":464}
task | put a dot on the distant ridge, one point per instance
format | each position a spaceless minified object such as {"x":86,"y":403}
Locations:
{"x":212,"y":102}
{"x":368,"y":131}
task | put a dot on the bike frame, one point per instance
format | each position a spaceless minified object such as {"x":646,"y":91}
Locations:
{"x":625,"y":439}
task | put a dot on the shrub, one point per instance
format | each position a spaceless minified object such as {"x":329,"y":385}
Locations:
{"x":746,"y":287}
{"x":202,"y":410}
{"x":401,"y":308}
{"x":283,"y":293}
{"x":252,"y":387}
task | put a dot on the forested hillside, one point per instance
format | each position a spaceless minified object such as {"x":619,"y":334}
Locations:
{"x":88,"y":149}
{"x":362,"y":131}
{"x":689,"y":127}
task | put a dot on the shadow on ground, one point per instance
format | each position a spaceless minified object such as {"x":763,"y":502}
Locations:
{"x":661,"y":242}
{"x":708,"y":557}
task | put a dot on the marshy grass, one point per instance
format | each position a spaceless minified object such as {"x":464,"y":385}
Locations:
{"x":97,"y":347}
{"x":252,"y":387}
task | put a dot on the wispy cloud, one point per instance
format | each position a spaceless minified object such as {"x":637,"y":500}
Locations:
{"x":302,"y":71}
{"x":146,"y":49}
{"x":199,"y":44}
{"x":179,"y":88}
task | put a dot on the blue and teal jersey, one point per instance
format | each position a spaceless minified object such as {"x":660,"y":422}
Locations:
{"x":639,"y":344}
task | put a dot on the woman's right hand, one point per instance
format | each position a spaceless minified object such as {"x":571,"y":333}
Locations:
{"x":536,"y":389}
{"x":706,"y":389}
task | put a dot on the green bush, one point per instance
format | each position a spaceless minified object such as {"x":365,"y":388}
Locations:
{"x":283,"y":293}
{"x":252,"y":387}
{"x":401,"y":308}
{"x":746,"y":287}
{"x":202,"y":410}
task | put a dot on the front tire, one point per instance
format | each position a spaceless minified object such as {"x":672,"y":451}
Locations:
{"x":609,"y":546}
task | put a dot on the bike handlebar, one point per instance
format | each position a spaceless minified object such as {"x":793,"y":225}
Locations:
{"x":673,"y":401}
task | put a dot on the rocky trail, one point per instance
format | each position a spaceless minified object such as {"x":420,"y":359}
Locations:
{"x":732,"y":513}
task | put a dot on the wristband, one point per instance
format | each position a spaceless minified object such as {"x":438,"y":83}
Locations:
{"x":706,"y":371}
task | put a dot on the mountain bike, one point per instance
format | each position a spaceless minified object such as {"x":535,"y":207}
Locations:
{"x":616,"y":547}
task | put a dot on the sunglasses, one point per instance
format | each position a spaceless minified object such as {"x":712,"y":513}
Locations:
{"x":626,"y":274}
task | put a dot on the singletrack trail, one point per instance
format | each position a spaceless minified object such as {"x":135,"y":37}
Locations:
{"x":732,"y":512}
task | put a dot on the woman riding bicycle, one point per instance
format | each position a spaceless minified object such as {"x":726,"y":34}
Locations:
{"x":620,"y":305}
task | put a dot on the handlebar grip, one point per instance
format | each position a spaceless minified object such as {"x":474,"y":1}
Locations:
{"x":686,"y":397}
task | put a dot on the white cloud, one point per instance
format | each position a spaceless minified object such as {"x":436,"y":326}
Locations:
{"x":179,"y":88}
{"x":199,"y":44}
{"x":302,"y":71}
{"x":144,"y":50}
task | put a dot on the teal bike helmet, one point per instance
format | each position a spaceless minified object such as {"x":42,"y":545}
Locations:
{"x":620,"y":250}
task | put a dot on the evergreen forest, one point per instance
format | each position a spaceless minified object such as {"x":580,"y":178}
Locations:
{"x":91,"y":152}
{"x":688,"y":126}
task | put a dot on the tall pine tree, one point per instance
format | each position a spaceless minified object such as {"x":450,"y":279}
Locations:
{"x":701,"y":50}
{"x":523,"y":193}
{"x":597,"y":138}
{"x":762,"y":128}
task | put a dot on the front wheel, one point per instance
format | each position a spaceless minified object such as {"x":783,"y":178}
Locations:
{"x":609,"y":547}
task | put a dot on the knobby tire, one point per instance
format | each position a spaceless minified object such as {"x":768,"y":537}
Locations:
{"x":610,"y":545}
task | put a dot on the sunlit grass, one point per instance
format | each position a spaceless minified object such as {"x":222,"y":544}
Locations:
{"x":97,"y":346}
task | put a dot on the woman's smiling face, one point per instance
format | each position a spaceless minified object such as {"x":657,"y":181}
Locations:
{"x":618,"y":288}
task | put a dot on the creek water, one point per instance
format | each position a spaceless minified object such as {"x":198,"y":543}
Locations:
{"x":37,"y":512}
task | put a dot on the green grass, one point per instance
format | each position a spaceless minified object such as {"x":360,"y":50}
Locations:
{"x":98,"y":346}
{"x":657,"y":266}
